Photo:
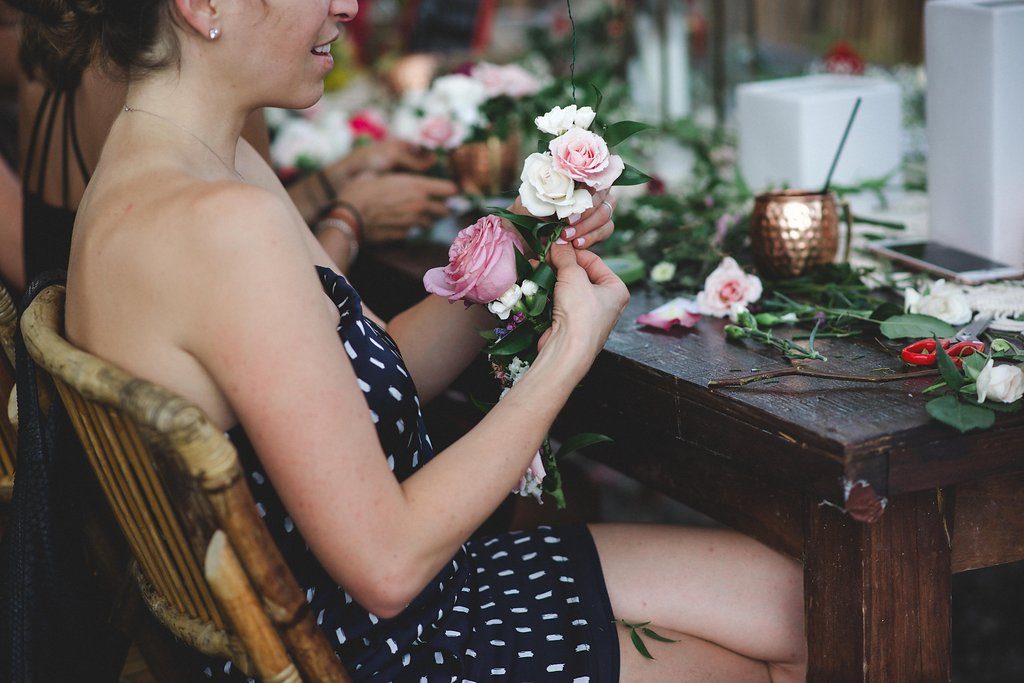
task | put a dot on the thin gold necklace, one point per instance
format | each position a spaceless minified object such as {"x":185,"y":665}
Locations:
{"x":128,"y":109}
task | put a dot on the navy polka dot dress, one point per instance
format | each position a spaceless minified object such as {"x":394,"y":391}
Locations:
{"x":522,"y":606}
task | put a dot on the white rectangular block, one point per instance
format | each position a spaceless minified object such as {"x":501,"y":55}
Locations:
{"x":974,"y":52}
{"x":789,"y":130}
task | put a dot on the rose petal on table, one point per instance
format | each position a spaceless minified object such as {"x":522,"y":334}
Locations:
{"x":679,"y":312}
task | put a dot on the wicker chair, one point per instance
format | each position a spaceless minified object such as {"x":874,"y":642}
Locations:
{"x":8,"y":435}
{"x":205,"y":560}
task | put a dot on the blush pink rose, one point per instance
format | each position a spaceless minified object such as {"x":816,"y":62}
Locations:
{"x":441,"y":132}
{"x":584,"y":157}
{"x":728,"y":285}
{"x":481,"y":264}
{"x":510,"y":80}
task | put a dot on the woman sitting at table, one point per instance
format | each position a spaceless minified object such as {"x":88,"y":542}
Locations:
{"x":191,"y":267}
{"x":65,"y":121}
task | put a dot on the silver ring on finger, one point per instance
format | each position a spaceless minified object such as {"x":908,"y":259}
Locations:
{"x":611,"y":209}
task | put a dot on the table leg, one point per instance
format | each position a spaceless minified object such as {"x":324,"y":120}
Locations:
{"x":878,"y":596}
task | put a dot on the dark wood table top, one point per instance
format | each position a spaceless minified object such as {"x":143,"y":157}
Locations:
{"x":811,"y":430}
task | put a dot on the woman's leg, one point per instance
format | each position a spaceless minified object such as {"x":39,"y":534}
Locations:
{"x":739,"y":604}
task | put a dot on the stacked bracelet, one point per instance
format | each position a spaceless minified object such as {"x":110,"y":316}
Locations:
{"x":345,"y":229}
{"x":358,"y":224}
{"x":327,"y":186}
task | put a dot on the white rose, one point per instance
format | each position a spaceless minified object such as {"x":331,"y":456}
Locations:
{"x":297,"y":140}
{"x":460,"y":95}
{"x":503,"y":306}
{"x":663,"y":272}
{"x":559,"y":119}
{"x":728,"y":285}
{"x":546,"y":191}
{"x":946,"y":302}
{"x":1003,"y":383}
{"x":530,"y":288}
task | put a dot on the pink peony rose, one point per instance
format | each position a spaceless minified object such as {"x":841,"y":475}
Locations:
{"x":584,"y":157}
{"x":442,"y":132}
{"x":727,"y":285}
{"x":481,"y":267}
{"x":510,"y":80}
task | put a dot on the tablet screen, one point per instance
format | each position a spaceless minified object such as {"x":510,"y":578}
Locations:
{"x":945,"y":257}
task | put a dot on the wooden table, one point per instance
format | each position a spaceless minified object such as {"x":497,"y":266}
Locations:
{"x":880,"y":503}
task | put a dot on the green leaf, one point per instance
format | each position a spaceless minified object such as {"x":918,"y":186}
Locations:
{"x":886,"y":311}
{"x":530,"y":237}
{"x":519,"y":220}
{"x":651,"y":633}
{"x":515,"y":341}
{"x":482,"y":406}
{"x":524,"y":269}
{"x":629,"y":267}
{"x":916,"y":326}
{"x":544,"y":276}
{"x":581,"y":441}
{"x":947,"y":368}
{"x":638,"y":643}
{"x":974,"y":364}
{"x":632,"y":176}
{"x":1014,"y":407}
{"x":540,"y":301}
{"x":623,"y":130}
{"x":963,"y":416}
{"x":489,"y":335}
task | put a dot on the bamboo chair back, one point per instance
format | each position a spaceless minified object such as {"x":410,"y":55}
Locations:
{"x":176,"y":488}
{"x":8,"y":436}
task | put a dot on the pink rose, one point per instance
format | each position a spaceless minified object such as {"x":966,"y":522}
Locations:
{"x":584,"y":157}
{"x":510,"y":80}
{"x":728,"y":285}
{"x":441,"y":132}
{"x":481,"y":266}
{"x":369,"y":123}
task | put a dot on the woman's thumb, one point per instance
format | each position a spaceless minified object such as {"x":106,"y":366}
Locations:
{"x":562,"y":256}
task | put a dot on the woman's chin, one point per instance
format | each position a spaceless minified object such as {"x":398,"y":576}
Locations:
{"x":300,"y":100}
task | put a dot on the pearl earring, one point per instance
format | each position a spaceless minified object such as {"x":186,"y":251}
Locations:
{"x":214,"y":33}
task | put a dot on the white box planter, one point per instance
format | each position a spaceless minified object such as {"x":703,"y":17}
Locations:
{"x":789,"y":130}
{"x":975,"y":57}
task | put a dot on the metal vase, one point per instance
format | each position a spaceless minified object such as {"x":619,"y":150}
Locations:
{"x":794,"y":231}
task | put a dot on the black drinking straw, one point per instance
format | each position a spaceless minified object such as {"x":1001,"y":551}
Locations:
{"x":842,"y":143}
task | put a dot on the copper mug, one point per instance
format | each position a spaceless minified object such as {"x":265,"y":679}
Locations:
{"x":794,"y":231}
{"x":490,"y":167}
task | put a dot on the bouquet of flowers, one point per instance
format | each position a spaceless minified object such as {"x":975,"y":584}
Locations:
{"x":488,"y":265}
{"x":317,"y":137}
{"x":465,"y":107}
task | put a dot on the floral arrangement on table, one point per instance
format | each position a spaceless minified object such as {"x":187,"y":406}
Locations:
{"x":309,"y":140}
{"x":488,"y":265}
{"x":466,"y":107}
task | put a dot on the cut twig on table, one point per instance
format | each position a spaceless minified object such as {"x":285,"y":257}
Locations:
{"x":803,"y":371}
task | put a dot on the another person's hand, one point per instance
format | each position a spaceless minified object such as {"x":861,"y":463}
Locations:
{"x":391,"y":154}
{"x":589,"y":298}
{"x":392,"y":204}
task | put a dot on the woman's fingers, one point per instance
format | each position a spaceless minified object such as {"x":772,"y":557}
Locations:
{"x":597,"y":270}
{"x":594,"y":221}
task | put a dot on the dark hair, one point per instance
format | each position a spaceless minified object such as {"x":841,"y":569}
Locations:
{"x":60,"y":38}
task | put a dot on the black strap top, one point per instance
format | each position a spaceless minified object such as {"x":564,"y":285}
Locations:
{"x":47,"y":228}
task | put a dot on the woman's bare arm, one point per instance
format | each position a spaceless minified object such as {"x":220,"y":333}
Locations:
{"x":257,"y":319}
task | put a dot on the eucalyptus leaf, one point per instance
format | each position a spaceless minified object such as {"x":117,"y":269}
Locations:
{"x":514,"y":342}
{"x":482,"y":406}
{"x":524,"y":269}
{"x":916,"y":326}
{"x":581,"y":441}
{"x":654,"y":635}
{"x":947,"y":368}
{"x":638,"y":643}
{"x":623,"y":130}
{"x":540,"y":301}
{"x":544,"y":276}
{"x":974,"y":364}
{"x":632,"y":176}
{"x":960,"y":415}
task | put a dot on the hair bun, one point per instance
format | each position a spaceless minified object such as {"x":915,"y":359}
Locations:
{"x":58,"y":38}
